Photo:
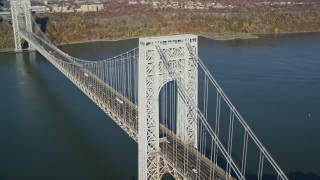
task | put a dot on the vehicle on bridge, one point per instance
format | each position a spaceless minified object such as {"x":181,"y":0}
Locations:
{"x":119,"y":100}
{"x":195,"y":171}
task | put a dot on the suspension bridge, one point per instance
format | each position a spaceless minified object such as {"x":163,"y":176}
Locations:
{"x":163,"y":96}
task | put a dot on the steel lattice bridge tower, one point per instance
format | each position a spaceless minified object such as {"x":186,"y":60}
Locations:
{"x":160,"y":94}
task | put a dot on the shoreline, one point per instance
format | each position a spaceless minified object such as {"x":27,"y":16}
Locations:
{"x":216,"y":37}
{"x":228,"y":37}
{"x":7,"y":50}
{"x":213,"y":36}
{"x":97,"y":40}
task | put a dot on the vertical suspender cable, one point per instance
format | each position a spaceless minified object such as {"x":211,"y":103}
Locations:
{"x":244,"y":153}
{"x":217,"y":126}
{"x":260,"y":171}
{"x":230,"y":138}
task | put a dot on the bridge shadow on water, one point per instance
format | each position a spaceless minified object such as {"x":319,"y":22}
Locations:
{"x":42,"y":23}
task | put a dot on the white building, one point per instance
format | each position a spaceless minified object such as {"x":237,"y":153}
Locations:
{"x":56,"y":8}
{"x":62,"y":9}
{"x":133,"y":2}
{"x":39,"y":9}
{"x":90,"y":7}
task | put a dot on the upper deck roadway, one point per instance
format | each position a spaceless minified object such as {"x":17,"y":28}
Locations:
{"x":178,"y":156}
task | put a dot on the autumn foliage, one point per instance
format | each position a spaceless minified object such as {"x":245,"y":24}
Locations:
{"x":127,"y":24}
{"x":121,"y":21}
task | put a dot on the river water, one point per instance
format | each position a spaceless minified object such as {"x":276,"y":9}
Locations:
{"x":51,"y":130}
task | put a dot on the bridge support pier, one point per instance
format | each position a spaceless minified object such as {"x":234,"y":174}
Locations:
{"x":21,"y":17}
{"x":153,"y":75}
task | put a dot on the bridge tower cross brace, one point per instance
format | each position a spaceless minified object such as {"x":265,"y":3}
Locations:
{"x":20,"y":9}
{"x":153,"y":75}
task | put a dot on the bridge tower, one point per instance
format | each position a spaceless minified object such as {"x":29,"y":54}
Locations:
{"x":153,"y":75}
{"x":21,"y":17}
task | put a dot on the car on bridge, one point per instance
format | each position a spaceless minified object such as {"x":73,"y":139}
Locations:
{"x":195,"y":171}
{"x":119,"y":100}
